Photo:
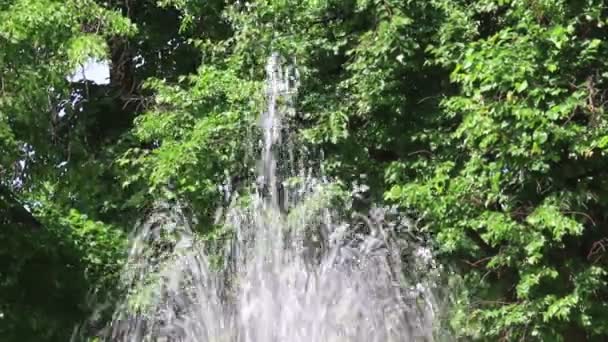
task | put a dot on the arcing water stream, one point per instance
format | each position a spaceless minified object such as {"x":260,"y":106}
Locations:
{"x":294,"y":271}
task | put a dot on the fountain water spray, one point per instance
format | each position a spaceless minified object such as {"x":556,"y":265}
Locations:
{"x":297,"y":268}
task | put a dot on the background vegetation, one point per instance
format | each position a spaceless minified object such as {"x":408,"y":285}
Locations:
{"x":486,"y":119}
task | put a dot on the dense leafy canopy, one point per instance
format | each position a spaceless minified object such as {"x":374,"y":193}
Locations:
{"x":484,"y":119}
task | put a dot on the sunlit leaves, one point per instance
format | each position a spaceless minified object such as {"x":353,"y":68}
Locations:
{"x":525,"y":139}
{"x":199,"y":136}
{"x":51,"y":270}
{"x":84,"y":47}
{"x":548,"y":217}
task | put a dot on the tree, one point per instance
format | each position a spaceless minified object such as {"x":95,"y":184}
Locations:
{"x":59,"y":143}
{"x":48,"y":254}
{"x":515,"y":189}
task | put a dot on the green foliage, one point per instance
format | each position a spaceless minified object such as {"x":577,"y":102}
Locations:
{"x":51,"y":263}
{"x":47,"y":273}
{"x":199,"y":133}
{"x":520,"y":198}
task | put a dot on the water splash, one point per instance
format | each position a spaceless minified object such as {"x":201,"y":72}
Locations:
{"x":297,"y":268}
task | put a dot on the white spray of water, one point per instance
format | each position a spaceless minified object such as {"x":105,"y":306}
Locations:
{"x":294,"y":270}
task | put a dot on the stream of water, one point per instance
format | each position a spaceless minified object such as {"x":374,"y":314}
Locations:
{"x":296,"y":268}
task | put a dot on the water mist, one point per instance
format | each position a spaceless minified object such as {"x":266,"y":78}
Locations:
{"x":297,"y":268}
